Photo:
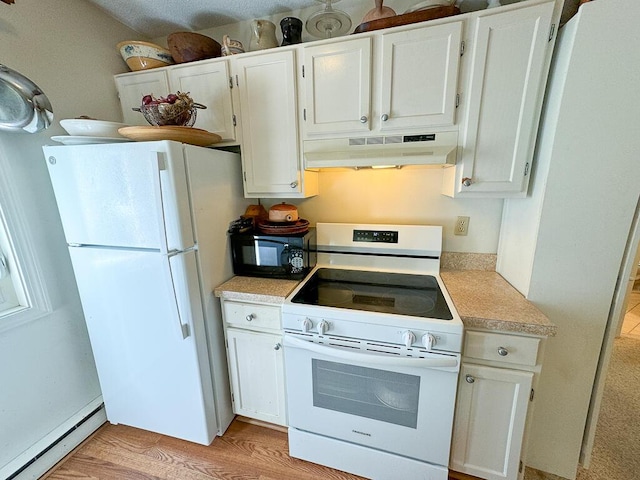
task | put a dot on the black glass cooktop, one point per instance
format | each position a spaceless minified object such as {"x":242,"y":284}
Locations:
{"x":396,"y":293}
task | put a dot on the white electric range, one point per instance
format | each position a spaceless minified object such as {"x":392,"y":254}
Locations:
{"x":372,"y":354}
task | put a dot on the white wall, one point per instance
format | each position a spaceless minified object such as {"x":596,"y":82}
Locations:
{"x":410,"y":195}
{"x":67,"y":47}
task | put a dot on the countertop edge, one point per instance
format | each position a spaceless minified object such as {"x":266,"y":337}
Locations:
{"x":484,"y":300}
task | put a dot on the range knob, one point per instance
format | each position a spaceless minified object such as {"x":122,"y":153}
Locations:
{"x":322,"y":327}
{"x":408,"y":337}
{"x":307,"y":325}
{"x":428,"y":341}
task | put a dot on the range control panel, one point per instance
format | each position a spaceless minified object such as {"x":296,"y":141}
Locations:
{"x":376,"y":236}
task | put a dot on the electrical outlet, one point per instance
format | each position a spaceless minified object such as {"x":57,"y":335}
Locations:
{"x":462,"y":226}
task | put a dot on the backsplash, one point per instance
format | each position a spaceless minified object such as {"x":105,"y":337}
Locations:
{"x":468,"y":261}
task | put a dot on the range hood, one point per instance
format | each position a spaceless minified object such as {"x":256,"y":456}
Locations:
{"x":437,"y":149}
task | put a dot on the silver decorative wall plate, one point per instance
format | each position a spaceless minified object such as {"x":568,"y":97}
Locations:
{"x":23,"y":106}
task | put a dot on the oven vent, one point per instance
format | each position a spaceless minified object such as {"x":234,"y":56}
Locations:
{"x":428,"y":148}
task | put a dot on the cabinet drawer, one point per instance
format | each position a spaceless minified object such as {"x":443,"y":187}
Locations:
{"x":501,"y":348}
{"x":251,"y":315}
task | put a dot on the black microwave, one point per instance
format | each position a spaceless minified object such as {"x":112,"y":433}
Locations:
{"x":278,"y":256}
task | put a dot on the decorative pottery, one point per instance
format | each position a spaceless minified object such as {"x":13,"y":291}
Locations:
{"x":191,"y":47}
{"x":144,"y":55}
{"x":291,"y":30}
{"x":378,"y":12}
{"x":231,"y":47}
{"x":263,"y":35}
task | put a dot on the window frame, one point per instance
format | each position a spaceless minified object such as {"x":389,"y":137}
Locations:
{"x":13,"y":219}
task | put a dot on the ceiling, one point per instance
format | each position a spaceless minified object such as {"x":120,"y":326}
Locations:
{"x":158,"y":18}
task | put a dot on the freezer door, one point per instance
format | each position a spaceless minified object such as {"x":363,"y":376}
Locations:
{"x":125,"y":195}
{"x":145,"y":323}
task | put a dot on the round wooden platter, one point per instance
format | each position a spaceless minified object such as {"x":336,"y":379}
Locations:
{"x":190,"y":135}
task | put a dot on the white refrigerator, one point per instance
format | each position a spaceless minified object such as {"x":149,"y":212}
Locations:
{"x":569,"y":245}
{"x":146,"y":228}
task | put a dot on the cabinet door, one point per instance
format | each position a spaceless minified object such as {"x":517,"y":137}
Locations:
{"x":133,"y":86}
{"x":268,"y":118}
{"x":256,"y":367}
{"x":208,"y":84}
{"x":489,"y":422}
{"x":419,"y":72}
{"x":337,"y":80}
{"x":504,"y":99}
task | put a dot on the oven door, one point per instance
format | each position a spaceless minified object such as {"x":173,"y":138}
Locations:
{"x":398,"y":404}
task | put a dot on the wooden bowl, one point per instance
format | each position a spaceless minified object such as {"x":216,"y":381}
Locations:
{"x":190,"y":47}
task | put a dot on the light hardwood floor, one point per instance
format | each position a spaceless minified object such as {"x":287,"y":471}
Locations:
{"x":244,"y":452}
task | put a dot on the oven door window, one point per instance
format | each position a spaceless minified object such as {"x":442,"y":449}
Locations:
{"x":382,"y":395}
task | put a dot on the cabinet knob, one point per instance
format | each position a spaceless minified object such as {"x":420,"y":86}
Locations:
{"x":293,"y":184}
{"x":469,"y":378}
{"x":278,"y":346}
{"x":503,"y":352}
{"x":466,"y":181}
{"x":250,"y":317}
{"x":363,"y":119}
{"x":384,"y":117}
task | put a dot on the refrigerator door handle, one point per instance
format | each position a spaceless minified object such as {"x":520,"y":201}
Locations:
{"x":184,"y":327}
{"x":157,"y":186}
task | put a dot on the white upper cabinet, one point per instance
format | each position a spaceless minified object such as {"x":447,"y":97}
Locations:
{"x":509,"y":54}
{"x":268,"y":115}
{"x":208,"y":84}
{"x":419,"y":77}
{"x":133,"y":86}
{"x":338,"y":87}
{"x":411,"y":75}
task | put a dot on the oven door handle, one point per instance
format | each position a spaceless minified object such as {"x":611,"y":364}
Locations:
{"x":372,"y":358}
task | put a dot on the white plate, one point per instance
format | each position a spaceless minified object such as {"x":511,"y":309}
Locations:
{"x":85,"y":140}
{"x":91,"y":127}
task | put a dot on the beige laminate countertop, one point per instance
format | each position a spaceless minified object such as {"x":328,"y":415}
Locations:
{"x":255,"y":289}
{"x":483,"y":299}
{"x":486,"y":300}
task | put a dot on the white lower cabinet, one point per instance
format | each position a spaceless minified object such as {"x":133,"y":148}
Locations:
{"x":493,"y":403}
{"x":256,"y":363}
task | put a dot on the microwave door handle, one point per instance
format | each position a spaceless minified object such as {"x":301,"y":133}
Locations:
{"x":451,"y":362}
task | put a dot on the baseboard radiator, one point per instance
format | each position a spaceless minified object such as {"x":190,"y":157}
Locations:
{"x":61,"y":446}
